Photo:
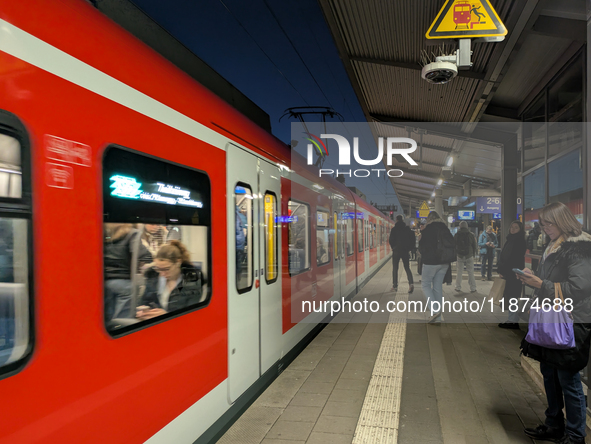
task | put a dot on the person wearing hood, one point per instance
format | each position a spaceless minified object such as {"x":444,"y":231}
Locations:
{"x":564,"y":268}
{"x":466,"y":249}
{"x":401,"y":240}
{"x":437,"y":250}
{"x":512,"y":256}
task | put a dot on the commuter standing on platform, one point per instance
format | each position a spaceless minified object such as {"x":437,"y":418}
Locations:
{"x":487,"y":243}
{"x":466,"y":249}
{"x":512,"y":256}
{"x":564,"y":268}
{"x":437,"y":250}
{"x":401,"y":240}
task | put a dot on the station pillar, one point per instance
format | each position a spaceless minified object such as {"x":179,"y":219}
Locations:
{"x":510,"y":163}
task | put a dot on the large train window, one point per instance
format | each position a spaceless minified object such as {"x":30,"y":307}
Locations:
{"x":16,"y":317}
{"x":244,"y":244}
{"x":299,"y":237}
{"x":322,"y":239}
{"x":360,"y":235}
{"x":157,"y":240}
{"x":270,"y":237}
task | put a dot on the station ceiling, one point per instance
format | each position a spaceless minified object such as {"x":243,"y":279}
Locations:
{"x":380,"y":43}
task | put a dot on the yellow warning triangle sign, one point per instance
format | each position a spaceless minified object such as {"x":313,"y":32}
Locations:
{"x":424,"y":210}
{"x":461,"y":19}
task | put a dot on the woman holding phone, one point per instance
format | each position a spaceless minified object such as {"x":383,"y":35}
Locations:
{"x":566,"y":262}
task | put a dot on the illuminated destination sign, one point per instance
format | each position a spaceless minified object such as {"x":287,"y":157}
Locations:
{"x":286,"y":219}
{"x":129,"y":188}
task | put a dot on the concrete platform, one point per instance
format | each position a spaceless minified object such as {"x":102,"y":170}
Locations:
{"x":399,"y":382}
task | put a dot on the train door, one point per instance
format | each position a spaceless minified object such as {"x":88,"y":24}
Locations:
{"x":270,"y":277}
{"x":253,"y":187}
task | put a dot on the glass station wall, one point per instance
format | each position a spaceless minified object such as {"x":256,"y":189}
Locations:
{"x":552,"y":158}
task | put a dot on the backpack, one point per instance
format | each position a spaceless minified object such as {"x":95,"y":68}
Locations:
{"x":463,"y":244}
{"x":446,"y":247}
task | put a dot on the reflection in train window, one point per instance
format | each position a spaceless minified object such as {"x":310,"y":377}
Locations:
{"x":244,"y":243}
{"x":271,"y":238}
{"x":299,"y":237}
{"x":350,"y":228}
{"x":360,"y":235}
{"x":10,"y":167}
{"x":14,"y":292}
{"x":322,"y":238}
{"x":156,"y":240}
{"x":336,"y":235}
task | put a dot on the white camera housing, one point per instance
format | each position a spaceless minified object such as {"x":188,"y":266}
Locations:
{"x":439,"y":72}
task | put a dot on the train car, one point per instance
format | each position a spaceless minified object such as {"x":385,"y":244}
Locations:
{"x":154,"y":240}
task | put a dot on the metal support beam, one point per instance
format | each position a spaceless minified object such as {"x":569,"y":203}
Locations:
{"x":510,"y":162}
{"x":413,"y":66}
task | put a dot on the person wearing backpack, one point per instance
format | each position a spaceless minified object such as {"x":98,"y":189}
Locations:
{"x":401,"y":240}
{"x":487,"y":243}
{"x":437,"y":248}
{"x":466,"y":249}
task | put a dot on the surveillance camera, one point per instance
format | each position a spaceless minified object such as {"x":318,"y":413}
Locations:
{"x":439,"y":72}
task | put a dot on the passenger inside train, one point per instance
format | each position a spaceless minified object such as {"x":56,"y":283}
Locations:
{"x":173,"y":283}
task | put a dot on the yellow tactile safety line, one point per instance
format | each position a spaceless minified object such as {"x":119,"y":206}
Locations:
{"x":380,"y":414}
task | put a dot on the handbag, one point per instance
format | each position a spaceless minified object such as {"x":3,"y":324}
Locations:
{"x":497,"y":290}
{"x":551,"y":329}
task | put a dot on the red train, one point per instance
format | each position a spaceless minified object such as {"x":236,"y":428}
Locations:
{"x":102,"y":140}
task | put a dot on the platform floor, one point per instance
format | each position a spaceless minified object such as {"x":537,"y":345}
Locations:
{"x":450,"y":383}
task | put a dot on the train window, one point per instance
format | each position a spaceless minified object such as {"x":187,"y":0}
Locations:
{"x":335,"y":236}
{"x":157,"y":240}
{"x":367,"y":235}
{"x":350,"y":234}
{"x":16,"y":308}
{"x":359,"y":235}
{"x":271,"y":238}
{"x":10,"y":167}
{"x":14,"y":293}
{"x":322,"y":239}
{"x":299,"y":237}
{"x":244,"y":245}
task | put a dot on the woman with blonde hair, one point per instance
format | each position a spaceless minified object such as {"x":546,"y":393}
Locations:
{"x":565,"y":269}
{"x":437,"y":250}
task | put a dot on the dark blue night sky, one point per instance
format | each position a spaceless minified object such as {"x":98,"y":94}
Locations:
{"x":280,"y":54}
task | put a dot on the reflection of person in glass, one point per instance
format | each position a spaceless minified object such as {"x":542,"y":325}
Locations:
{"x":120,"y":241}
{"x":153,"y":237}
{"x":173,"y":283}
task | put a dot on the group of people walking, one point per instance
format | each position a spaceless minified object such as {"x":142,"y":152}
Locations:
{"x":563,"y":274}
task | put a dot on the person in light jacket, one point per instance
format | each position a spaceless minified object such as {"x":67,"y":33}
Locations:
{"x":487,"y":243}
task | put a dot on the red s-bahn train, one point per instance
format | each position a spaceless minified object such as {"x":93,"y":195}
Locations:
{"x":107,"y":153}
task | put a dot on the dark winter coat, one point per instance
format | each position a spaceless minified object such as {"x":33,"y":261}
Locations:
{"x":187,"y":292}
{"x":118,"y":256}
{"x":428,"y":242}
{"x":570,"y":265}
{"x":400,"y":237}
{"x":466,"y":237}
{"x":512,"y":255}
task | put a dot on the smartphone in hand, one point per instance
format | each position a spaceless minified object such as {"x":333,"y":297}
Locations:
{"x":518,"y":271}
